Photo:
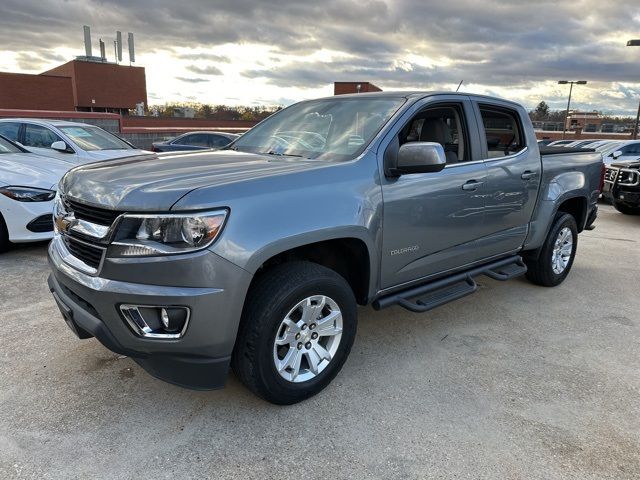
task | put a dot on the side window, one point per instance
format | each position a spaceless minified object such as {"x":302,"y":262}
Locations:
{"x":219,"y":141}
{"x":197,"y":139}
{"x":502,"y":130}
{"x":443,"y":125}
{"x":39,"y":137}
{"x":10,"y":130}
{"x":631,"y":149}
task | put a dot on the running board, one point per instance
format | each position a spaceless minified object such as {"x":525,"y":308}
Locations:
{"x":431,"y":295}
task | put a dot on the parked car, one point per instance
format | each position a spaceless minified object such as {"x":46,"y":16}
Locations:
{"x":621,"y":151}
{"x":72,"y":142}
{"x":28,"y":184}
{"x":195,"y":141}
{"x":544,"y":143}
{"x":257,"y":255}
{"x":622,"y":186}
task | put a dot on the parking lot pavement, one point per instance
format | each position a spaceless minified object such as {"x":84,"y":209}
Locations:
{"x":516,"y":381}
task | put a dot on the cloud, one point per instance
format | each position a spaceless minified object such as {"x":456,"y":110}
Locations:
{"x":206,"y":70}
{"x":408,"y":44}
{"x":192,"y":80}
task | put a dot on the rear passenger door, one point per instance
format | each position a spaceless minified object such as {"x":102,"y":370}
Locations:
{"x":513,"y":176}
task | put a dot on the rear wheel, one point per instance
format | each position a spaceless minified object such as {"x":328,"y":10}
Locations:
{"x":626,"y":209}
{"x":296,"y":332}
{"x":555,"y":260}
{"x":4,"y":236}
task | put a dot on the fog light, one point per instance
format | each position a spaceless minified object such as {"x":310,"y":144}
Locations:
{"x":156,"y":322}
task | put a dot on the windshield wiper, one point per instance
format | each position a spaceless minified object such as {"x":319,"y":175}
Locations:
{"x":277,"y":154}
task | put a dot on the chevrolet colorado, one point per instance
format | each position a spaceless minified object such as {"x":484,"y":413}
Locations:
{"x":256,"y":256}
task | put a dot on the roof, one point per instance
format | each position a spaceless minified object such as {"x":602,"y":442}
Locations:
{"x":44,"y":121}
{"x":416,"y":94}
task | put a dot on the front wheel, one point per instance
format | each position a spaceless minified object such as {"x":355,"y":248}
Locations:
{"x":555,"y":260}
{"x":4,"y":236}
{"x":297,"y":329}
{"x":626,"y":209}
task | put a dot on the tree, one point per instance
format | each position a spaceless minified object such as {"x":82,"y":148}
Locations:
{"x":541,"y":112}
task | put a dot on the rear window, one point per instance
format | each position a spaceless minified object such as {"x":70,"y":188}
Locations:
{"x":503,"y":132}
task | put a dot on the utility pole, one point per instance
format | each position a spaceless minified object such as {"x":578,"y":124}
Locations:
{"x":635,"y":43}
{"x":566,"y":115}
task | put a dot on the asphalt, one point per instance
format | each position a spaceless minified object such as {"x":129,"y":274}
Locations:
{"x":516,"y":381}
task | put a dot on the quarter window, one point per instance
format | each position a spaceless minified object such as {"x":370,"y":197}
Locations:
{"x":503,"y":132}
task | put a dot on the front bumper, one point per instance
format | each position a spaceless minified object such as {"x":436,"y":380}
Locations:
{"x":621,"y":193}
{"x":199,"y":359}
{"x":18,"y":215}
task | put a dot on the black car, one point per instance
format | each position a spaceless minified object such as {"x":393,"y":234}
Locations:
{"x":622,"y":186}
{"x":195,"y":141}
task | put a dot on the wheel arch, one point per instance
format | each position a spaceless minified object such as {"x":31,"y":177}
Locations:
{"x":347,"y":253}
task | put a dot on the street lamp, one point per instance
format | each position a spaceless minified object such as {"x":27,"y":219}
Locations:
{"x":566,"y":115}
{"x":635,"y":43}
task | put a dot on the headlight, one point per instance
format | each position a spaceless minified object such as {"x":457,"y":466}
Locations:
{"x":28,"y":194}
{"x":148,"y":235}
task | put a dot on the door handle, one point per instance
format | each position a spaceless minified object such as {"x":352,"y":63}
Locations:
{"x":471,"y":185}
{"x":528,"y":175}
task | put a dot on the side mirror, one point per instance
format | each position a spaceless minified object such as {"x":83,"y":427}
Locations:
{"x":616,"y":154}
{"x":60,"y":146}
{"x":420,"y":157}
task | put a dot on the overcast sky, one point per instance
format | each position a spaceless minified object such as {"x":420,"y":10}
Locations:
{"x":256,"y":52}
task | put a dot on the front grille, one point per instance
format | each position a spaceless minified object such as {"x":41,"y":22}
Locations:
{"x":44,"y":223}
{"x":101,"y":216}
{"x":89,"y":254}
{"x":610,"y":175}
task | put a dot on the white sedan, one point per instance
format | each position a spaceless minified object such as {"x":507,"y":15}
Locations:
{"x":28,"y":184}
{"x":71,"y":142}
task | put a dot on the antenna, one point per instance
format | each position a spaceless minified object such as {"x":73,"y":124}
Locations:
{"x":118,"y":46}
{"x":132,"y":52}
{"x":87,"y":40}
{"x":459,"y":85}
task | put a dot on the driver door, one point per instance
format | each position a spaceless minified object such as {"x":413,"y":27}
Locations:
{"x":432,"y":220}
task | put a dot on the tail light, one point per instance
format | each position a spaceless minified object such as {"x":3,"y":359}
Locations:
{"x":603,"y":170}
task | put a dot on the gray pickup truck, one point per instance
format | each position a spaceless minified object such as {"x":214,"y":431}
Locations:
{"x":256,"y":256}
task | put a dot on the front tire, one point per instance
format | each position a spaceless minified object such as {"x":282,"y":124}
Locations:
{"x":296,"y":331}
{"x":4,"y":236}
{"x":626,"y":209}
{"x":555,"y":260}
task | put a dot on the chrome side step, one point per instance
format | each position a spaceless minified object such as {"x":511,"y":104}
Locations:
{"x":423,"y":298}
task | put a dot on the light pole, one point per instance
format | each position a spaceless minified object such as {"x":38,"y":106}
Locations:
{"x":566,"y":115}
{"x":635,"y":43}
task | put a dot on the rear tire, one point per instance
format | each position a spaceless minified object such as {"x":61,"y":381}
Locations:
{"x":4,"y":236}
{"x":555,"y":260}
{"x":296,"y":331}
{"x":626,"y":209}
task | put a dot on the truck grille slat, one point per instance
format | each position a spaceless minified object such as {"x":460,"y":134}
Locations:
{"x":101,"y":216}
{"x":90,"y":255}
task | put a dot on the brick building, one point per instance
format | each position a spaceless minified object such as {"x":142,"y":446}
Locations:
{"x":342,"y":88}
{"x":78,"y":85}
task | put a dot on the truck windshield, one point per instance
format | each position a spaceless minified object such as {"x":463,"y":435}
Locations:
{"x":94,"y":138}
{"x":335,"y":128}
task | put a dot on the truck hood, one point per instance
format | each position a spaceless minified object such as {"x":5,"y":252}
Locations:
{"x":31,"y":170}
{"x":153,"y":183}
